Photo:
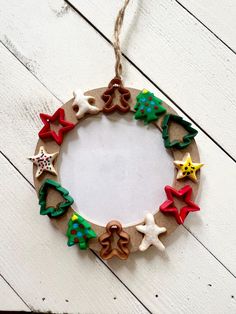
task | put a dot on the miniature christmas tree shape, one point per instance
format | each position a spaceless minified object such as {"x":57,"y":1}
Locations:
{"x":148,"y":107}
{"x":79,"y":232}
{"x":187,"y":139}
{"x":61,"y":207}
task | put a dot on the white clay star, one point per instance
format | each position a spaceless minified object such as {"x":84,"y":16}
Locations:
{"x":151,"y":232}
{"x":44,"y":161}
{"x":83,"y":104}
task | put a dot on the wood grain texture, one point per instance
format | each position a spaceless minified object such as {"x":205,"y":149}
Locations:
{"x":80,"y":33}
{"x":218,"y":16}
{"x":73,"y":277}
{"x":188,"y":278}
{"x":180,"y":55}
{"x":9,"y":300}
{"x":149,"y":270}
{"x":42,"y":269}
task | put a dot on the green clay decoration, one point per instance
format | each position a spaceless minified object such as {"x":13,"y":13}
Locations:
{"x":148,"y":107}
{"x":187,"y":139}
{"x":79,"y":232}
{"x":62,"y":207}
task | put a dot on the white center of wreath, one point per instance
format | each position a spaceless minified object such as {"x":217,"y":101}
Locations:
{"x":115,"y":168}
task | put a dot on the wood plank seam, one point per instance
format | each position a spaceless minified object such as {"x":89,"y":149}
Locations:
{"x":97,"y":255}
{"x":135,"y":66}
{"x":34,"y":189}
{"x":16,"y":292}
{"x":210,"y":252}
{"x":155,"y":86}
{"x":128,"y":282}
{"x":204,"y":25}
{"x":92,"y":250}
{"x":151,"y":81}
{"x":112,"y":271}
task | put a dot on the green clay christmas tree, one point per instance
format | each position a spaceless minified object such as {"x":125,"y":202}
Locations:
{"x":61,"y":207}
{"x":79,"y":232}
{"x":148,"y":107}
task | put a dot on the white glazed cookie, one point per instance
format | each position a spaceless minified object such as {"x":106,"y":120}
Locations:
{"x":151,"y":232}
{"x":44,"y":161}
{"x":82,"y":103}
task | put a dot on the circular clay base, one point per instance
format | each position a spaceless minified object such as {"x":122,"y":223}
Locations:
{"x":53,"y":198}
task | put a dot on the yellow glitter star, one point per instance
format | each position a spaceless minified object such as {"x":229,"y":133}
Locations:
{"x":187,"y":168}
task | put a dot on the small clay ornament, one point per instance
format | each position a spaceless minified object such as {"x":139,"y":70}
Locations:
{"x":148,"y":107}
{"x":122,"y":249}
{"x":79,"y":232}
{"x":116,"y":97}
{"x":61,"y":207}
{"x":169,"y":207}
{"x":151,"y":232}
{"x":187,"y":168}
{"x":58,"y":117}
{"x":44,"y":161}
{"x":83,"y":104}
{"x":187,"y":139}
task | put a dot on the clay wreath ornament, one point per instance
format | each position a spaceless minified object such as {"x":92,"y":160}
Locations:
{"x":116,"y":240}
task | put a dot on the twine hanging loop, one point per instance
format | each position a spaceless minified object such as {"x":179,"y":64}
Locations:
{"x":116,"y":43}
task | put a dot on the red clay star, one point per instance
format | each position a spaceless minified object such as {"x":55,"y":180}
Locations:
{"x":58,"y":116}
{"x":169,"y":207}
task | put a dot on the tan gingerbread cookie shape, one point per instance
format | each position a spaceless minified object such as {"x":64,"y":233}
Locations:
{"x":106,"y":240}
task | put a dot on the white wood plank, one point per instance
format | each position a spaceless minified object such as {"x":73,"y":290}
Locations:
{"x":184,"y":280}
{"x":192,"y":67}
{"x":42,"y":269}
{"x":183,"y":251}
{"x":23,"y":102}
{"x":44,"y":273}
{"x":180,"y":55}
{"x":170,"y":283}
{"x":9,"y":300}
{"x":218,"y":16}
{"x":32,"y":103}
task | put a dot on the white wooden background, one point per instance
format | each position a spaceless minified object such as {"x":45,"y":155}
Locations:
{"x":185,"y":52}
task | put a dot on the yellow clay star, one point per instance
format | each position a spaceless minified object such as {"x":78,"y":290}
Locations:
{"x":187,"y":168}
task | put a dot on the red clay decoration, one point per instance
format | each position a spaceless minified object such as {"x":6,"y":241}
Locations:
{"x":116,"y":97}
{"x":185,"y":195}
{"x":58,"y":117}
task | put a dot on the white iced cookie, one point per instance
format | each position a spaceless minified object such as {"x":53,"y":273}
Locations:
{"x":44,"y":161}
{"x":83,"y":104}
{"x":151,"y":232}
